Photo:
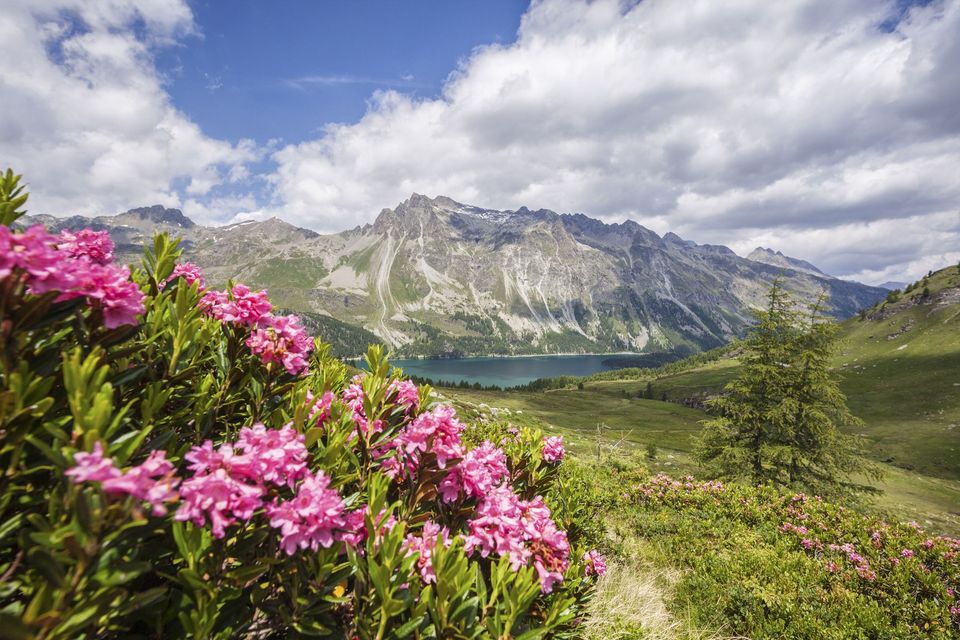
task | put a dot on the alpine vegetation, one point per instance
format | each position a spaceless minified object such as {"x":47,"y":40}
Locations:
{"x":187,"y":462}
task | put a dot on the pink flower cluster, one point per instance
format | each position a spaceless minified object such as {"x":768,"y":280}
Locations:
{"x":553,"y":449}
{"x":401,"y":392}
{"x":95,"y":246}
{"x":861,"y":564}
{"x":504,"y":524}
{"x":662,"y":486}
{"x":275,"y":339}
{"x":152,"y":481}
{"x":436,"y":431}
{"x":424,"y":545}
{"x":353,"y":397}
{"x":594,"y":564}
{"x":76,"y":265}
{"x":319,"y":408}
{"x":237,"y":306}
{"x":315,"y":517}
{"x":189,"y":272}
{"x":228,"y":482}
{"x":281,"y":340}
{"x":405,"y":393}
{"x":477,"y":474}
{"x":522,"y":530}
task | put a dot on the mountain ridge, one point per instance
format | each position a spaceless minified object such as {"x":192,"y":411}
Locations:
{"x":434,"y":276}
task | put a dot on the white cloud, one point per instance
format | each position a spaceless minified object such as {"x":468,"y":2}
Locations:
{"x":84,"y":114}
{"x":802,"y":123}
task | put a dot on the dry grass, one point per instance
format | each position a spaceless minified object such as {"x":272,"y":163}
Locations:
{"x":631,"y":603}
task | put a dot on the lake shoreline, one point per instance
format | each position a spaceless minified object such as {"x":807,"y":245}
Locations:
{"x":519,"y":370}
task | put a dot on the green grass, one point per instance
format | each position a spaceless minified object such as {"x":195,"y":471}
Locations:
{"x":301,"y":272}
{"x":577,"y":413}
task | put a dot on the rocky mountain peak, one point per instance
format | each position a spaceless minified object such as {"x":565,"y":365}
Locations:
{"x":158,"y":214}
{"x":778,"y":259}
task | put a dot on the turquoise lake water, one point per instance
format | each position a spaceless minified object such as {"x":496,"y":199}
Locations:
{"x":510,"y":372}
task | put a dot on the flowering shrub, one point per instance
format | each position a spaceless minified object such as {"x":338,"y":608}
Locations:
{"x":777,"y":565}
{"x":182,"y":461}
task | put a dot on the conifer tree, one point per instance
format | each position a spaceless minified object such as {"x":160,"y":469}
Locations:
{"x":778,"y":421}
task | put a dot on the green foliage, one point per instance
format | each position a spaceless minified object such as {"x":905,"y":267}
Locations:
{"x":81,"y":563}
{"x":765,"y":564}
{"x":651,"y":451}
{"x":345,"y":340}
{"x":778,"y":420}
{"x":12,"y":198}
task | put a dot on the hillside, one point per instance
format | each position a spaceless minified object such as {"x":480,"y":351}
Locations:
{"x":900,"y":366}
{"x":434,"y":276}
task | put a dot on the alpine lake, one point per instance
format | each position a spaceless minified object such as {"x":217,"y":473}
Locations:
{"x":512,"y":371}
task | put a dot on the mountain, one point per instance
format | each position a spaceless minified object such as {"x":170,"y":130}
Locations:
{"x":892,"y":285}
{"x":437,"y":277}
{"x":777,"y":259}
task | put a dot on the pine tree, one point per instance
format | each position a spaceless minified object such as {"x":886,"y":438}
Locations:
{"x":778,"y":422}
{"x":750,"y":414}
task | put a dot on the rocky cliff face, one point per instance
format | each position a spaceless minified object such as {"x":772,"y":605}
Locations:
{"x":435,"y":276}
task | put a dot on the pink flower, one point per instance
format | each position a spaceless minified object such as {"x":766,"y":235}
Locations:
{"x":407,"y":394}
{"x":594,"y":563}
{"x":78,"y":267}
{"x":353,"y":397}
{"x":281,"y":340}
{"x":35,"y":253}
{"x":320,"y":409}
{"x":95,"y":246}
{"x":906,"y":553}
{"x":189,"y":272}
{"x":424,"y":545}
{"x":440,"y":430}
{"x":219,"y":497}
{"x":8,"y":259}
{"x":314,"y":518}
{"x":480,"y":470}
{"x":523,"y":531}
{"x":553,"y":449}
{"x":92,"y":467}
{"x":152,"y":481}
{"x":107,"y":287}
{"x":239,"y":305}
{"x":354,"y":529}
{"x":436,"y":431}
{"x":276,"y":455}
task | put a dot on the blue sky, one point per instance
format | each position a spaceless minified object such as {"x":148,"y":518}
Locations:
{"x":827,"y":130}
{"x":266,"y":70}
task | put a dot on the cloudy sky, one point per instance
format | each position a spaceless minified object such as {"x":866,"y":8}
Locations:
{"x":829,"y":130}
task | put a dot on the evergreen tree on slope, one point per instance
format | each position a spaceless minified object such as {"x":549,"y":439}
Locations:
{"x":778,"y":421}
